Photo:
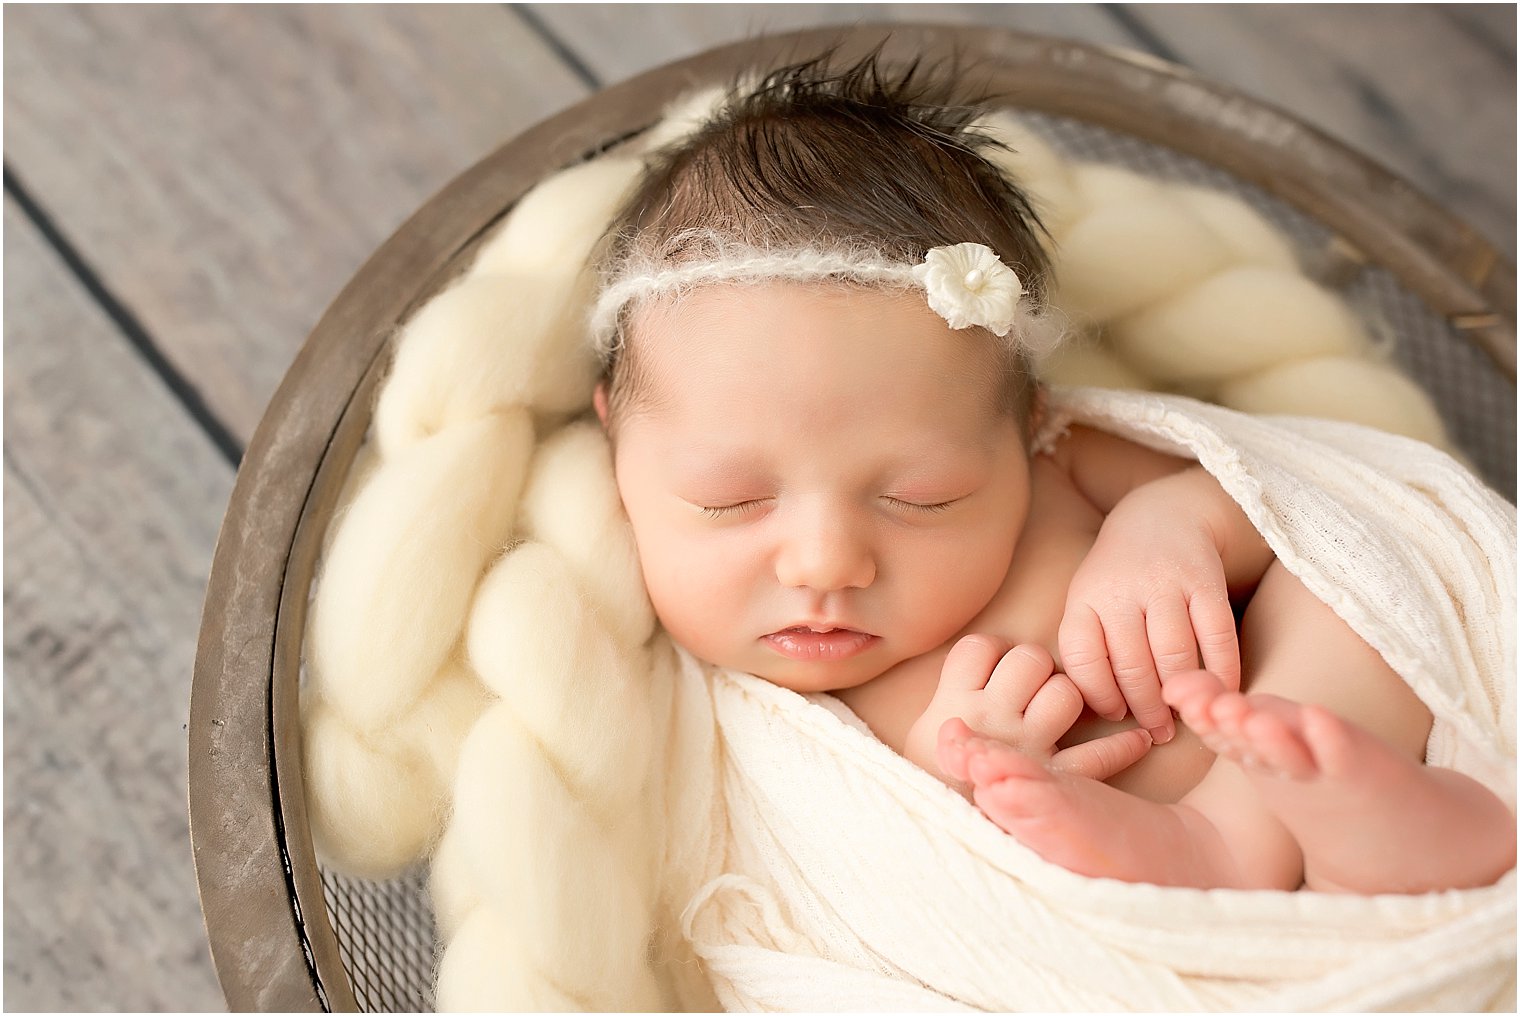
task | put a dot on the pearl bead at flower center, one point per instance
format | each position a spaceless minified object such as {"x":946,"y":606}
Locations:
{"x":974,"y":278}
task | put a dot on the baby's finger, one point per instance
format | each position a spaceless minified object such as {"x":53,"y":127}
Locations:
{"x":971,"y":660}
{"x":1054,"y":708}
{"x":1021,"y":673}
{"x":1104,"y":757}
{"x":1218,"y":644}
{"x":1170,"y":633}
{"x":1084,"y":657}
{"x":1129,"y":653}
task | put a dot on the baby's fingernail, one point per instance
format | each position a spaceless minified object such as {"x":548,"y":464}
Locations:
{"x":1159,"y":735}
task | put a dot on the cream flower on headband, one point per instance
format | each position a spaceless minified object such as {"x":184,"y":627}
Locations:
{"x":967,"y":285}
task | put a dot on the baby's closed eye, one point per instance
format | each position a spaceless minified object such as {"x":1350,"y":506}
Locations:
{"x":908,"y":504}
{"x":734,"y":508}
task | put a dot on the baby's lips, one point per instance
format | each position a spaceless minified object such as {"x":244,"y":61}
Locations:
{"x":819,"y":628}
{"x":833,"y":644}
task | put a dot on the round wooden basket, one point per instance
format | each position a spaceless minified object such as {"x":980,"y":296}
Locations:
{"x":287,"y":936}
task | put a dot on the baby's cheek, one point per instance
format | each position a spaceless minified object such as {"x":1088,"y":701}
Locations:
{"x":691,"y":604}
{"x":964,"y":582}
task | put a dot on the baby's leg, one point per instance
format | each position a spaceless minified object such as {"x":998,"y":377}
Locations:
{"x":1331,"y":740}
{"x":1091,"y":827}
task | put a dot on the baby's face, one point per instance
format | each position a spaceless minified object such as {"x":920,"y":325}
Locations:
{"x":820,"y":479}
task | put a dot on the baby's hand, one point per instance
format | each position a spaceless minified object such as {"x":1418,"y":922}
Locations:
{"x":1148,"y":601}
{"x":1012,"y":694}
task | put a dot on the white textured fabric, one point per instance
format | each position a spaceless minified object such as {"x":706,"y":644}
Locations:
{"x":810,"y":867}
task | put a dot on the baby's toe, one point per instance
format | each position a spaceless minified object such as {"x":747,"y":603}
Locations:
{"x":1190,"y":694}
{"x":1336,"y":745}
{"x":952,"y":751}
{"x":991,"y":762}
{"x":1274,"y":745}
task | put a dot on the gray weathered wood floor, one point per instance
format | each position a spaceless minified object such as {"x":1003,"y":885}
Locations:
{"x":185,"y":190}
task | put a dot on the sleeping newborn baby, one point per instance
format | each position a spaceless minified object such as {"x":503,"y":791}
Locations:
{"x":819,"y":316}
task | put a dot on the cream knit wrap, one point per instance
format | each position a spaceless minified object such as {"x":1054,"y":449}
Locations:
{"x":612,"y":827}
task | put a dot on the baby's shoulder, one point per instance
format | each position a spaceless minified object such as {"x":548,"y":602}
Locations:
{"x":1074,"y":444}
{"x":1104,"y":466}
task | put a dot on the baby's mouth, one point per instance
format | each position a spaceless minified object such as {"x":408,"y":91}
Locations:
{"x":819,"y":642}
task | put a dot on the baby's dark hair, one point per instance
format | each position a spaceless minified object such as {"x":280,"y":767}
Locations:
{"x":862,"y":157}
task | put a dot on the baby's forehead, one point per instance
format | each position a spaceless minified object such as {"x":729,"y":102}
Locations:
{"x":684,"y":340}
{"x":668,"y":314}
{"x":827,"y":340}
{"x":713,"y":311}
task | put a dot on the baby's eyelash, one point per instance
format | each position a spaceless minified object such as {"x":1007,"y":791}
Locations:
{"x":719,"y":511}
{"x":741,"y":507}
{"x":913,"y":505}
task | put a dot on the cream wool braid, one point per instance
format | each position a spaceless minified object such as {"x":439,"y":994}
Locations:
{"x":1170,"y":286}
{"x":479,"y":626}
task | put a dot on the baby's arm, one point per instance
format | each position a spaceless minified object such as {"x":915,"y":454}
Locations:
{"x":1153,"y":594}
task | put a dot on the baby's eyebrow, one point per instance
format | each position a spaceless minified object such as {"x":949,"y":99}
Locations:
{"x":722,"y":465}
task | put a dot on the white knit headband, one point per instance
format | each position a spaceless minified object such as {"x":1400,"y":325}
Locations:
{"x":965,"y":283}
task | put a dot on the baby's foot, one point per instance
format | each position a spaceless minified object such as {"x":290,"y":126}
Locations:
{"x":1346,"y":795}
{"x":1081,"y":823}
{"x":1263,"y":734}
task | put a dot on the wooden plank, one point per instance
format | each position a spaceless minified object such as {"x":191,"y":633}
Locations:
{"x":617,"y":41}
{"x":1490,"y":26}
{"x":226,"y":169}
{"x":112,"y":501}
{"x":1427,"y":90}
{"x":1412,"y":86}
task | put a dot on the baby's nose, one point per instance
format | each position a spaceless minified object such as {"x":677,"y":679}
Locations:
{"x":826,"y":552}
